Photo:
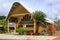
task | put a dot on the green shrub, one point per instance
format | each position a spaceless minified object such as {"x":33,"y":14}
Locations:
{"x":21,"y":31}
{"x":5,"y":29}
{"x":0,"y":31}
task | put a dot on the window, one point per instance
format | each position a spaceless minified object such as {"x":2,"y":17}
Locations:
{"x":26,"y":18}
{"x":29,"y":25}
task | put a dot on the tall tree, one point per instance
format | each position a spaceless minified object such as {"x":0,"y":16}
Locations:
{"x":40,"y":18}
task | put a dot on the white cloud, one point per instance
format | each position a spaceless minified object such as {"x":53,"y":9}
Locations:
{"x":50,"y":7}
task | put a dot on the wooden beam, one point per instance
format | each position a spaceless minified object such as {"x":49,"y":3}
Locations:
{"x":8,"y":25}
{"x":19,"y":19}
{"x":34,"y":26}
{"x":20,"y":14}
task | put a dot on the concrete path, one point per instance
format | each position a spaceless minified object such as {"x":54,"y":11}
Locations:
{"x":57,"y":38}
{"x":25,"y":37}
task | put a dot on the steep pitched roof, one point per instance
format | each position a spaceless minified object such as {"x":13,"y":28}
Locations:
{"x":17,"y":8}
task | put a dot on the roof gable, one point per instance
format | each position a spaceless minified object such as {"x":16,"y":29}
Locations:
{"x":20,"y":10}
{"x":17,"y":8}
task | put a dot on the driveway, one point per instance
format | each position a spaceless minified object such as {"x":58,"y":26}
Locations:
{"x":25,"y":37}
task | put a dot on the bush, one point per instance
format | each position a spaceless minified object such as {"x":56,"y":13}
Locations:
{"x":21,"y":31}
{"x":5,"y":29}
{"x":0,"y":31}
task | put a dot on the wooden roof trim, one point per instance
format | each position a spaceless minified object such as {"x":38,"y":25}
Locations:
{"x":20,"y":14}
{"x":24,"y":7}
{"x":11,"y":10}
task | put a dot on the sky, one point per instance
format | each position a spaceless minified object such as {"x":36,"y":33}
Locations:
{"x":50,"y":7}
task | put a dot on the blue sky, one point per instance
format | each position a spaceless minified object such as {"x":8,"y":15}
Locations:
{"x":50,"y":7}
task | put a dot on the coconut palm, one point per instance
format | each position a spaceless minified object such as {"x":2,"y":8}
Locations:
{"x":40,"y":19}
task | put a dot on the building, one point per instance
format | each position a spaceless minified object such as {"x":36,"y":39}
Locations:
{"x":21,"y":17}
{"x":51,"y":27}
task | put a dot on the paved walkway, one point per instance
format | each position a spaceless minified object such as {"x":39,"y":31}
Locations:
{"x":57,"y":38}
{"x":25,"y":37}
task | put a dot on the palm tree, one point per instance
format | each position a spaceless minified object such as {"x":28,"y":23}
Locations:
{"x":40,"y":19}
